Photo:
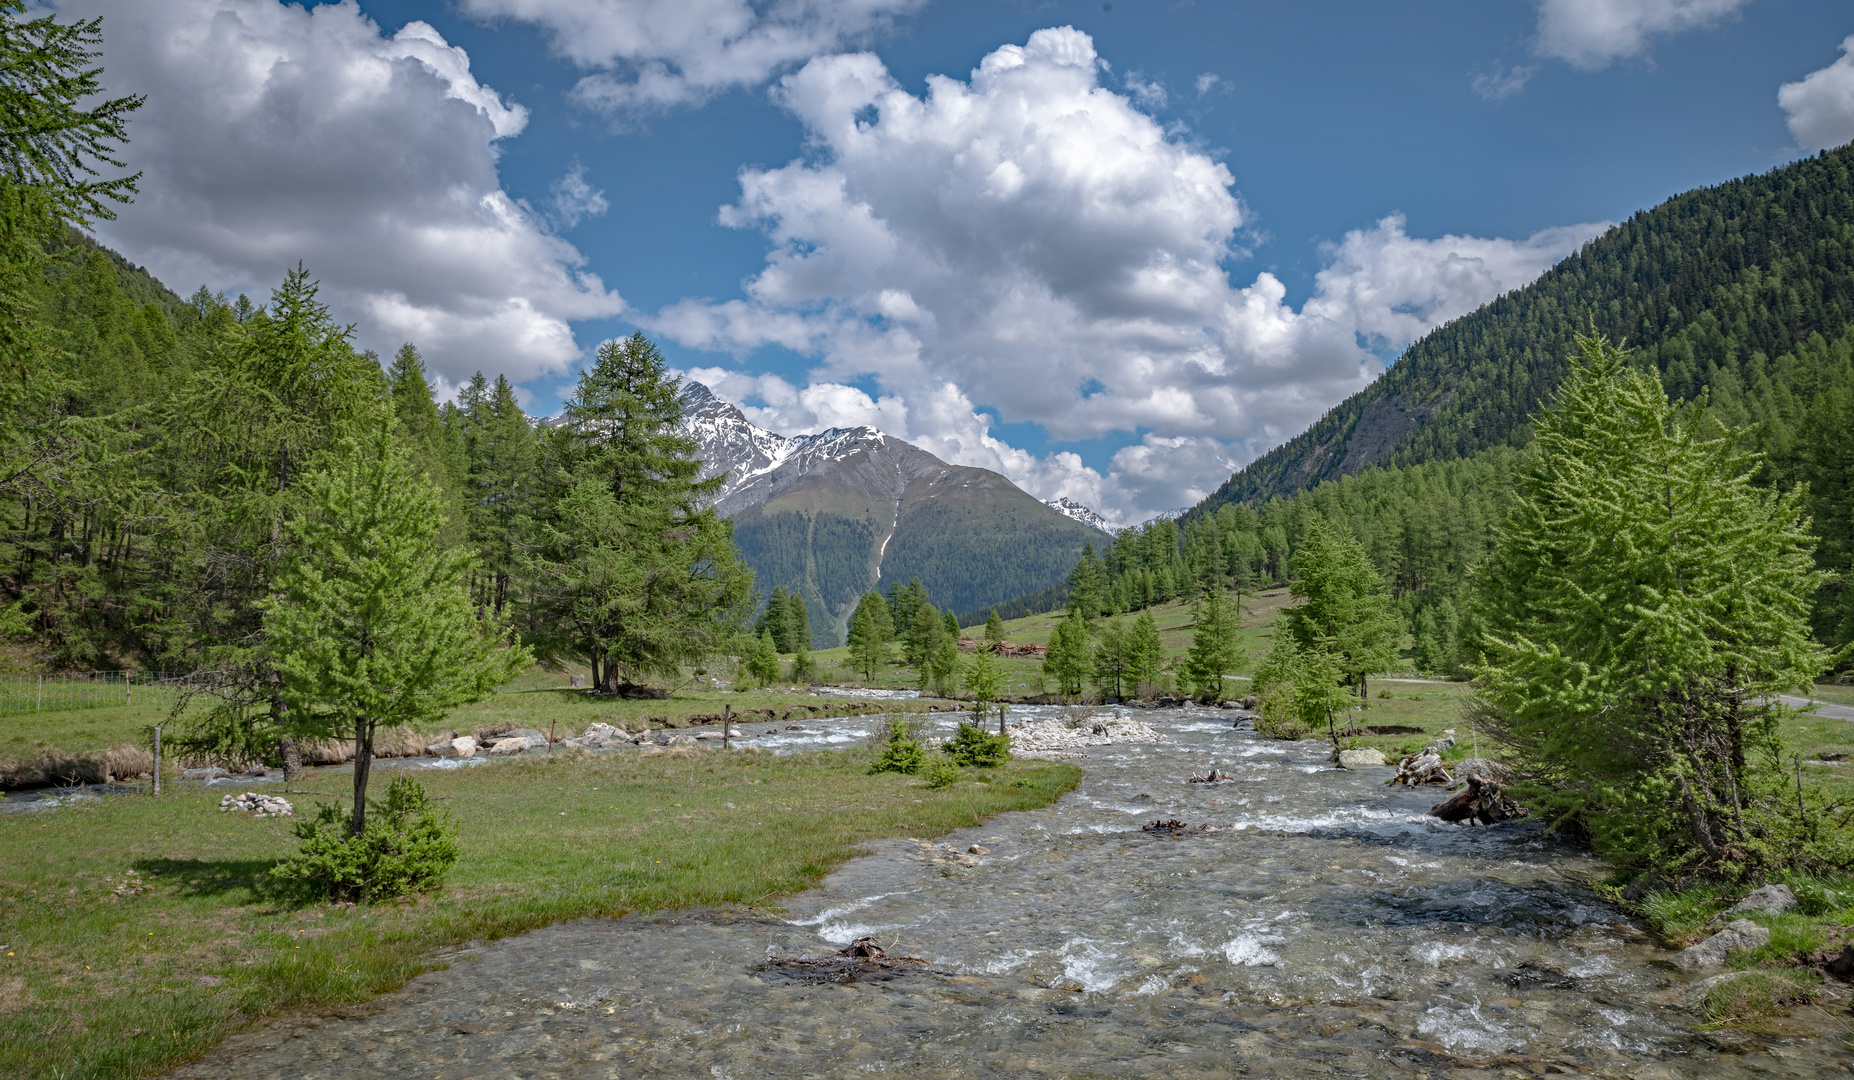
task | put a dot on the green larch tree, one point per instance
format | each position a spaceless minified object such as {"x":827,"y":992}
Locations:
{"x":1644,"y":605}
{"x":1347,"y":611}
{"x":632,"y":568}
{"x":1216,"y":647}
{"x":871,"y":630}
{"x":370,"y":626}
{"x":1068,"y":661}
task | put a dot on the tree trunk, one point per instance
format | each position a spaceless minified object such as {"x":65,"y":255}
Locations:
{"x":292,"y":761}
{"x":363,"y":764}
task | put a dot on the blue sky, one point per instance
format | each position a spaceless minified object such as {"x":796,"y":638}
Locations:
{"x":1153,"y":240}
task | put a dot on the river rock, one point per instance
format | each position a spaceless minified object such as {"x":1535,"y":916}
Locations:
{"x":1039,"y":736}
{"x":213,"y":773}
{"x":506,"y":746}
{"x":463,"y":746}
{"x":531,"y":739}
{"x":1775,"y":899}
{"x":1364,"y":757}
{"x":257,"y":805}
{"x":1710,"y":954}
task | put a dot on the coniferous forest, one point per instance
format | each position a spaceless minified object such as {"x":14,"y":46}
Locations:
{"x":1736,"y":297}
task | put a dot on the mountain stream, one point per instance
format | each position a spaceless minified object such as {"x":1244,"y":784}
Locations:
{"x":1326,"y":927}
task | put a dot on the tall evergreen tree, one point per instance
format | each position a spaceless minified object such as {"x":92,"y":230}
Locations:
{"x":797,"y":622}
{"x":1644,"y":606}
{"x":871,"y":630}
{"x":1145,"y":652}
{"x":1216,"y":650}
{"x":1347,"y":611}
{"x":633,"y":568}
{"x":1068,"y":661}
{"x":370,"y":625}
{"x":1827,"y":452}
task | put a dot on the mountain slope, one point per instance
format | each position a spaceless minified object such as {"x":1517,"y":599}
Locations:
{"x":1707,"y":286}
{"x":834,"y":514}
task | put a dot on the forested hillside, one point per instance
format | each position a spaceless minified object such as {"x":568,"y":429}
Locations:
{"x":1710,"y":288}
{"x":1739,"y":297}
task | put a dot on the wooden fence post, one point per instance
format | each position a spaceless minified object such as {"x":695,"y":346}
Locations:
{"x":157,"y":760}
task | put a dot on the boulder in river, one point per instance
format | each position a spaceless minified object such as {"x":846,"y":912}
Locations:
{"x":1214,"y":776}
{"x":1363,"y":757}
{"x":1709,"y":955}
{"x":463,"y":746}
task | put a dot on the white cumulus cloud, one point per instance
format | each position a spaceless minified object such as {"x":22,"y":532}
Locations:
{"x":1031,"y":242}
{"x":1593,"y":34}
{"x":1821,"y":106}
{"x":656,"y":54}
{"x":274,"y":134}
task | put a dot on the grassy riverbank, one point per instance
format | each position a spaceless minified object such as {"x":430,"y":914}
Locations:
{"x":136,"y":932}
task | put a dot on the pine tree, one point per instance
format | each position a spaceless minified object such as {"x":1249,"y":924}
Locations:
{"x":994,"y":627}
{"x":632,"y":568}
{"x":1145,"y":652}
{"x":1068,"y":661}
{"x":1644,"y":606}
{"x":1111,"y":661}
{"x":871,"y":630}
{"x":773,"y":620}
{"x":431,"y":446}
{"x":1827,"y":452}
{"x":1086,"y":583}
{"x":763,"y":659}
{"x":942,"y":649}
{"x":797,"y":622}
{"x":503,"y":473}
{"x":1216,"y":650}
{"x":983,"y":679}
{"x":370,"y":626}
{"x":1347,"y":611}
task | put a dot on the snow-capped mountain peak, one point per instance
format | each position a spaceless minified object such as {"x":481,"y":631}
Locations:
{"x":1069,"y":508}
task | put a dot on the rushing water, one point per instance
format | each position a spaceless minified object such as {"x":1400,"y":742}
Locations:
{"x":1331,"y":930}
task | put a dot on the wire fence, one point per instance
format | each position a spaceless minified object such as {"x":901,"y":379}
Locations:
{"x":65,"y":691}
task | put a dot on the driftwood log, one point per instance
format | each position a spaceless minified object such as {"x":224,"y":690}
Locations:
{"x":1480,"y":798}
{"x":1425,"y":766}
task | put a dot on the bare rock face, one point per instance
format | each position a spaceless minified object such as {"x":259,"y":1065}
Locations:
{"x":1709,"y":955}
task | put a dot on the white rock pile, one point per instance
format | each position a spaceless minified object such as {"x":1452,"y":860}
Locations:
{"x":257,"y":805}
{"x":1067,"y":736}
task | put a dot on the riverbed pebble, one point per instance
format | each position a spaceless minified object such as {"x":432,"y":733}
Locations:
{"x":1039,"y":736}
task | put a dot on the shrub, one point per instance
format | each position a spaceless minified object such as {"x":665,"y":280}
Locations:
{"x":940,"y":774}
{"x":973,"y":745}
{"x":1278,"y":724}
{"x":408,"y":846}
{"x":900,"y":753}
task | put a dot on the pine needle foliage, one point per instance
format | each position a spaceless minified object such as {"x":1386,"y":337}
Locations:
{"x":1216,"y":646}
{"x":1644,"y":604}
{"x":632,"y":568}
{"x":1347,"y":613}
{"x":370,"y":626}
